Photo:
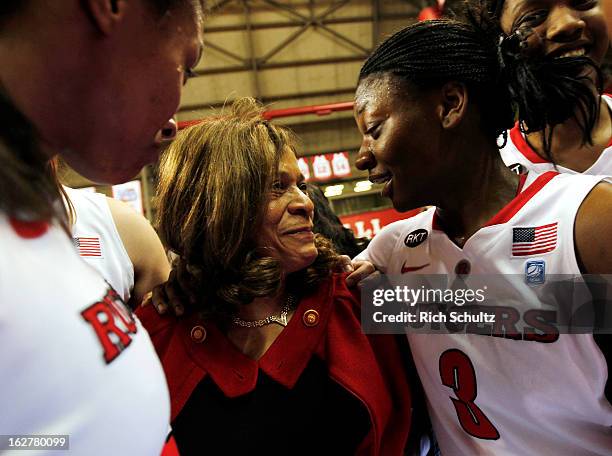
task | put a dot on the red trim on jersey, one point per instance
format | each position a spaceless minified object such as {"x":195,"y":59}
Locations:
{"x":435,"y":224}
{"x":170,"y":448}
{"x":521,"y":144}
{"x":29,"y":230}
{"x":521,"y":199}
{"x":522,"y":180}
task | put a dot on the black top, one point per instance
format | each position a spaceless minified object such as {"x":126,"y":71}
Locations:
{"x":317,"y":416}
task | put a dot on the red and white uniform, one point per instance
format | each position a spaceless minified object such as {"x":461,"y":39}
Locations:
{"x":98,"y":241}
{"x":517,"y":151}
{"x":507,"y":396}
{"x":74,"y":360}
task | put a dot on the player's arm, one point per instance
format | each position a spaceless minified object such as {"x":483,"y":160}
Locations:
{"x":376,"y":255}
{"x":592,"y":231}
{"x":361,"y":267}
{"x":143,"y":247}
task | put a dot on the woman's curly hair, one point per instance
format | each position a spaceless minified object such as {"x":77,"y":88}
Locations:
{"x":214,"y":184}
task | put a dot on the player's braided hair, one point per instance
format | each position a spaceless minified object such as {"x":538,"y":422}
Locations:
{"x":430,"y":53}
{"x":500,"y":74}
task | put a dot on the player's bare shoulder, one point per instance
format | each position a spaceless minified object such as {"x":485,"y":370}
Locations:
{"x":592,"y":230}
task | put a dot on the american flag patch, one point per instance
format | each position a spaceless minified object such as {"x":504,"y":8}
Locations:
{"x":534,"y":240}
{"x":88,"y":246}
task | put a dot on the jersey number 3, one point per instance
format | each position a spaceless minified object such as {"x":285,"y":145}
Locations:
{"x":457,"y":372}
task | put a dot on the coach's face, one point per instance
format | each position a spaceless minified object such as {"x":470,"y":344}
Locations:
{"x":286,"y":229}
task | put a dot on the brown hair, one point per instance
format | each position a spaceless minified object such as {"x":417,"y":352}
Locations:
{"x":214,"y":182}
{"x":27,"y":189}
{"x":54,"y":167}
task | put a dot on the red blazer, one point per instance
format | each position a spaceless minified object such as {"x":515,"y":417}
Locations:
{"x":325,"y":324}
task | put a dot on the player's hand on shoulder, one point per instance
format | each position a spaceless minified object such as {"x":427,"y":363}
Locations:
{"x":178,"y":294}
{"x":362,"y":269}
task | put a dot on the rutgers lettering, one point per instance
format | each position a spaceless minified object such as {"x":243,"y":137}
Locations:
{"x":457,"y":372}
{"x":112,"y":323}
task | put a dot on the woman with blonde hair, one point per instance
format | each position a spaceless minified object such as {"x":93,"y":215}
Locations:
{"x":272,"y":360}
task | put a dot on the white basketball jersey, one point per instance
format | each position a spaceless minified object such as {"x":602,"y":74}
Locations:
{"x":74,"y":360}
{"x":98,"y":242}
{"x":518,"y":152}
{"x":520,"y":395}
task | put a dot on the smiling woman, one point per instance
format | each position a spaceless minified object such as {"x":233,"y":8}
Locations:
{"x":431,"y":101}
{"x":550,"y":31}
{"x":285,"y":234}
{"x":275,"y":342}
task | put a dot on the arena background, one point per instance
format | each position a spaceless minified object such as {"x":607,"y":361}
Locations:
{"x":301,"y":59}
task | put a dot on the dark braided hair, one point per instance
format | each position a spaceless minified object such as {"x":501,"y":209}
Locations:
{"x":502,"y":76}
{"x":430,"y":53}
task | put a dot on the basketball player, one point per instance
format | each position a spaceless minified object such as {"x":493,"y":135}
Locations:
{"x":562,"y":25}
{"x":559,"y":28}
{"x":119,"y":242}
{"x":100,"y":81}
{"x":430,"y":103}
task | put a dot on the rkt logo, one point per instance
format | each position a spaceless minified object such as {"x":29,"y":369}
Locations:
{"x":415,"y":238}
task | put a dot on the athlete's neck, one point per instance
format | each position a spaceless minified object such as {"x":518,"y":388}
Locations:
{"x":567,"y":148}
{"x":479,"y":194}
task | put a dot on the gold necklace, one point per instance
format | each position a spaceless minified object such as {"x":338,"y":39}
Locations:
{"x":280,"y":319}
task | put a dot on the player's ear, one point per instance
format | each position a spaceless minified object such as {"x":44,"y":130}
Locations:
{"x":452,"y":104}
{"x":105,"y":14}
